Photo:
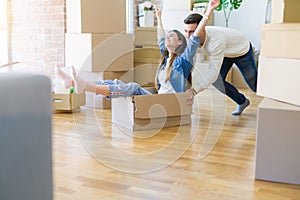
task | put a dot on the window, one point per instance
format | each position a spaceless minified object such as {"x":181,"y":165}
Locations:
{"x":129,"y":16}
{"x":3,"y":32}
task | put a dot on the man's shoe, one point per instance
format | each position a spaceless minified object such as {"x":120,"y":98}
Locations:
{"x":241,"y":108}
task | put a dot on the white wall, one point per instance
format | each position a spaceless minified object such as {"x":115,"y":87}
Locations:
{"x":247,"y":19}
{"x":173,"y":19}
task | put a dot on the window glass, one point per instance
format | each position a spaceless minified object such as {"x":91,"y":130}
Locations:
{"x":3,"y":32}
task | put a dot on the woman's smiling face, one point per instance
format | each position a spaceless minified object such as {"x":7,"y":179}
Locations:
{"x":172,"y":41}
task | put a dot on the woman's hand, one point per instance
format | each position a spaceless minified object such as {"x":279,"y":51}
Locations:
{"x":160,"y":28}
{"x":157,"y":13}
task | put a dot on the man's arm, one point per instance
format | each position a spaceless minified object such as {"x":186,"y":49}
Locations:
{"x":210,"y":9}
{"x":211,"y":76}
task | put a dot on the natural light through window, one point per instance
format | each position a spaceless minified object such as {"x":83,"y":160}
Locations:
{"x":3,"y":32}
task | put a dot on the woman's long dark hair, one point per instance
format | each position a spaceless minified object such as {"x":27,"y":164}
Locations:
{"x":179,"y":50}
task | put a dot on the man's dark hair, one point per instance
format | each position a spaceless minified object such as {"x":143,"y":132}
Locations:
{"x":193,"y":18}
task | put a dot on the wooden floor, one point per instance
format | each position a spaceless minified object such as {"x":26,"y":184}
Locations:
{"x":212,"y":159}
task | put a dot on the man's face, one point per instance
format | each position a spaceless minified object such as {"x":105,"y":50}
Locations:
{"x":189,"y":29}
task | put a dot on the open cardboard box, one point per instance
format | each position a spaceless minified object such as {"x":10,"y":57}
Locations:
{"x":67,"y":102}
{"x":151,"y":111}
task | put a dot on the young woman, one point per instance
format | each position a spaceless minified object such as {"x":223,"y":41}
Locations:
{"x":175,"y":67}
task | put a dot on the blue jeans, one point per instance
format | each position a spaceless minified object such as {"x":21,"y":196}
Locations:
{"x":120,"y":89}
{"x":246,"y":65}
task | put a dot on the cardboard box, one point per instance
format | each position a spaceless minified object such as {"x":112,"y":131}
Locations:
{"x":285,"y":11}
{"x":99,"y":52}
{"x":277,"y":142}
{"x":145,"y":73}
{"x":151,"y":111}
{"x":281,"y":40}
{"x":147,"y":54}
{"x":67,"y":102}
{"x":278,"y":78}
{"x":145,"y":36}
{"x":99,"y":101}
{"x":146,"y":61}
{"x":94,"y":16}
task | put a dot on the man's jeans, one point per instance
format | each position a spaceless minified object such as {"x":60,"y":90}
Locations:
{"x":120,"y":89}
{"x":246,"y":65}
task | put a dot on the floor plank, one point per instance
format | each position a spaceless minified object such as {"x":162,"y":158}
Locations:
{"x":212,"y":159}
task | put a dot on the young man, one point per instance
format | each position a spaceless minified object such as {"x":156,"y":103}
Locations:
{"x":225,"y":47}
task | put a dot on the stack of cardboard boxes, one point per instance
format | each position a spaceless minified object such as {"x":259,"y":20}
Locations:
{"x":278,"y":124}
{"x":96,"y":43}
{"x":146,"y":55}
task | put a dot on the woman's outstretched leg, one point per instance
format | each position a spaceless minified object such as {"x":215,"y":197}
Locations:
{"x":66,"y":78}
{"x":107,"y":88}
{"x":79,"y":84}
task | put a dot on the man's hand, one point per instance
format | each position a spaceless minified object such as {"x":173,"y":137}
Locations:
{"x":190,"y":98}
{"x":213,"y":4}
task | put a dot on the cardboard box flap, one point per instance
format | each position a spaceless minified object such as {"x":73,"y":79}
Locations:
{"x":268,"y":103}
{"x":161,"y":105}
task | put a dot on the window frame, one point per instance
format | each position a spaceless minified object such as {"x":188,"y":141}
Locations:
{"x":4,"y":32}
